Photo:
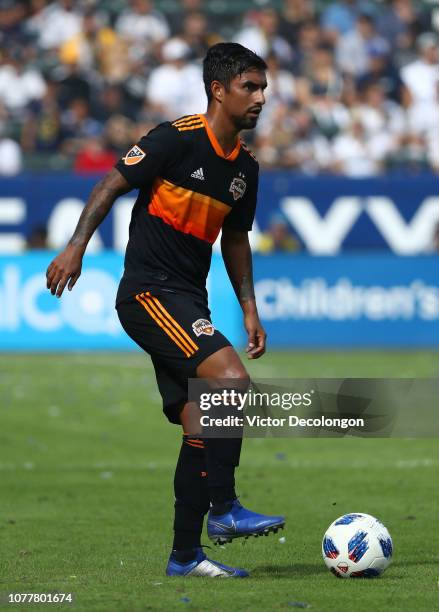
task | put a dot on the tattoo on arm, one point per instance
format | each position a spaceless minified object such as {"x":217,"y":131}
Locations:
{"x":238,"y":259}
{"x":246,"y":289}
{"x":100,"y":202}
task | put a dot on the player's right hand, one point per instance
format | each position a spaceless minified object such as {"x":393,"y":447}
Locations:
{"x":66,"y":268}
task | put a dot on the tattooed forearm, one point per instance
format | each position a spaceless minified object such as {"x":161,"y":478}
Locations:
{"x":100,"y":202}
{"x":238,"y":260}
{"x":246,"y":289}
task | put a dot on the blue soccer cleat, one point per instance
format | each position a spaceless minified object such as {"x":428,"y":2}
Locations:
{"x":201,"y":566}
{"x":241,"y":523}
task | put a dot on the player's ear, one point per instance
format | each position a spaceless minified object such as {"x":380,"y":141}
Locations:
{"x":217,"y":90}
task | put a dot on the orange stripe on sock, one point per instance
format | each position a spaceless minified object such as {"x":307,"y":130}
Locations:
{"x":195,"y":445}
{"x":196,"y":442}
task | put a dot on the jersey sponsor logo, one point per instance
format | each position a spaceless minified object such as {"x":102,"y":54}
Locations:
{"x":134,"y":156}
{"x":198,"y":174}
{"x":203,"y":326}
{"x":237,"y":187}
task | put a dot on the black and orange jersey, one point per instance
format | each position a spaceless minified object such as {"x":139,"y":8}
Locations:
{"x":188,"y":190}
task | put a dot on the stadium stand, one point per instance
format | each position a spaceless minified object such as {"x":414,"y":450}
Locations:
{"x":353,"y":84}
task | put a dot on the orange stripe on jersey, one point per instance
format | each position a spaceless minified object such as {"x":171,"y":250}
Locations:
{"x":188,"y":119}
{"x":166,"y":327}
{"x":216,"y":145}
{"x":188,"y":123}
{"x":198,"y":126}
{"x":187,"y":211}
{"x":165,"y":313}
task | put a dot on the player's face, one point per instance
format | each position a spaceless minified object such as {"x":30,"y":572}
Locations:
{"x":245,"y":98}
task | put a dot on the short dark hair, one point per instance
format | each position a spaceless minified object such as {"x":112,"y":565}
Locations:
{"x":225,"y":61}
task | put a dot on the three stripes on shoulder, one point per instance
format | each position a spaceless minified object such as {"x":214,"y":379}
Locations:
{"x":191,"y":122}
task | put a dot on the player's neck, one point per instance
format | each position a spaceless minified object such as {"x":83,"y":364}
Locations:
{"x":224,"y":130}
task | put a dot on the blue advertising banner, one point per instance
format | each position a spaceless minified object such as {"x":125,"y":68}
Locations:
{"x":356,"y":301}
{"x":327,"y":215}
{"x":85,"y":318}
{"x":330,"y":215}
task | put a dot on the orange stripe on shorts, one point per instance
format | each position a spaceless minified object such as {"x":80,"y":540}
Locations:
{"x":165,"y":326}
{"x":183,"y":333}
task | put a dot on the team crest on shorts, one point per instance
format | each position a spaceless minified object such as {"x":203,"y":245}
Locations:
{"x":203,"y":326}
{"x":134,"y":156}
{"x":237,"y":187}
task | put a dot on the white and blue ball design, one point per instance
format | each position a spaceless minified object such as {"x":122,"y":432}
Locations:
{"x":357,"y":545}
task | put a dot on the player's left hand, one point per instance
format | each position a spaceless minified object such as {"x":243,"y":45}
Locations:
{"x":256,"y":336}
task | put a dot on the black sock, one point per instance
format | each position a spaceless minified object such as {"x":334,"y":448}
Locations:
{"x":184,"y":556}
{"x":222,"y":457}
{"x":191,"y":498}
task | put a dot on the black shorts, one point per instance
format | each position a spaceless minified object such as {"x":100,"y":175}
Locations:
{"x":176,"y":330}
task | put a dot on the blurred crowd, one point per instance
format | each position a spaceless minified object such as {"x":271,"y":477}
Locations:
{"x":353,"y":84}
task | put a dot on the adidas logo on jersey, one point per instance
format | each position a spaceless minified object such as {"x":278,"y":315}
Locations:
{"x":198,"y":174}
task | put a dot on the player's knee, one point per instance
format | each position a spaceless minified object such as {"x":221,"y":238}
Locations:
{"x":234,"y":375}
{"x":238,"y":376}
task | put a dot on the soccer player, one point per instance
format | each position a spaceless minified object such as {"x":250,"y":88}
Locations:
{"x":195,"y":177}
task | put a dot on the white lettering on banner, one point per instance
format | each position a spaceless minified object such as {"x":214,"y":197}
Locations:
{"x":89,"y":309}
{"x":42,"y":320}
{"x":325,"y":235}
{"x":62,"y":223}
{"x":12,"y":212}
{"x":314,"y":299}
{"x":9,"y":288}
{"x":404,"y":238}
{"x":322,"y":235}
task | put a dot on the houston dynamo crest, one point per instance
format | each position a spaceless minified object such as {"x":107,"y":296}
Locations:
{"x":203,"y":326}
{"x":237,"y":187}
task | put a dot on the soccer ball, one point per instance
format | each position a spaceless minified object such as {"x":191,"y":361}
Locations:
{"x":357,"y":546}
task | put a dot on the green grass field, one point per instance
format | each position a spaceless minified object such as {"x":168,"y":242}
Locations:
{"x":86,"y":468}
